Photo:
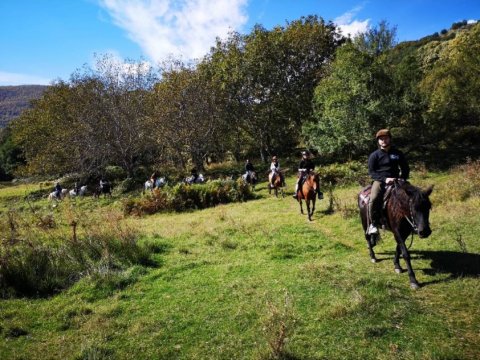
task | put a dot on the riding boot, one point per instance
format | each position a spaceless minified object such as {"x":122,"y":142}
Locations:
{"x":296,"y":191}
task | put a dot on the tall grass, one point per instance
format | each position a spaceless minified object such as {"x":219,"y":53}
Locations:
{"x":43,"y":253}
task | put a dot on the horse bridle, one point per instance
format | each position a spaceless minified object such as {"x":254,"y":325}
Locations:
{"x":411,"y":221}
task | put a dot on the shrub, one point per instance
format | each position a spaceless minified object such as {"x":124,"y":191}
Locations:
{"x":343,"y":174}
{"x":183,"y":197}
{"x":466,"y":183}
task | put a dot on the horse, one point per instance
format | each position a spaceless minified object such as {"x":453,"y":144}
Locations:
{"x":250,"y":177}
{"x":308,"y":192}
{"x":106,"y":189}
{"x":276,"y":182}
{"x":53,"y":195}
{"x":81,"y":191}
{"x":149,"y":185}
{"x":406,"y":212}
{"x":191,"y":180}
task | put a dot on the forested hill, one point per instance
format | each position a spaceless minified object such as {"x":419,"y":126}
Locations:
{"x":15,"y":99}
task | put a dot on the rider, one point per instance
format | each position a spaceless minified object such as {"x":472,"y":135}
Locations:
{"x":153,"y":179}
{"x":275,"y":170}
{"x":249,"y":169}
{"x":103,"y":183}
{"x":385,"y":164}
{"x":304,"y":168}
{"x":58,"y":190}
{"x":194,"y":175}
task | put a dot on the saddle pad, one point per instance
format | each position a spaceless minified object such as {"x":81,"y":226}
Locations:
{"x":365,"y":194}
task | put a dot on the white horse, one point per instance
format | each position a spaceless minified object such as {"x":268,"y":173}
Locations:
{"x":190,"y":180}
{"x":53,"y":195}
{"x":81,"y":192}
{"x":149,"y":185}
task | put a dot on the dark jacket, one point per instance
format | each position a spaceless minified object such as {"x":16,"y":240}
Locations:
{"x":249,"y":167}
{"x":391,"y":164}
{"x":306,"y":164}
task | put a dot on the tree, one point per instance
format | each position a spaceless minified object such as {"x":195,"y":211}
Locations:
{"x":186,"y":116}
{"x":97,"y":119}
{"x":378,"y":39}
{"x":350,"y":104}
{"x":269,"y":77}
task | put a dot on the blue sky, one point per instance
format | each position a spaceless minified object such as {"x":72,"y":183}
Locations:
{"x":44,"y":40}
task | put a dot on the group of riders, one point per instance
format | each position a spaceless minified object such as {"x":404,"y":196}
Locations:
{"x":385,"y":165}
{"x":305,"y":167}
{"x":104,"y":186}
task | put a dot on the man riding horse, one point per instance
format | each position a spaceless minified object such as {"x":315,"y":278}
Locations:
{"x":304,"y":168}
{"x":385,"y":164}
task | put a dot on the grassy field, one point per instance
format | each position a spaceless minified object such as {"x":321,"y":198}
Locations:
{"x":256,"y":280}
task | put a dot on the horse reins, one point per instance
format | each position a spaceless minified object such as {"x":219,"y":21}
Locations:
{"x":412,"y":222}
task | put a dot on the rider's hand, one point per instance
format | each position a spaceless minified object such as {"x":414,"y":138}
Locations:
{"x":389,"y":180}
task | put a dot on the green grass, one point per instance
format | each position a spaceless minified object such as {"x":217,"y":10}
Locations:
{"x":233,"y":279}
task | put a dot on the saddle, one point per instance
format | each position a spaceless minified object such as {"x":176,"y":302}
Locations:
{"x":365,"y":194}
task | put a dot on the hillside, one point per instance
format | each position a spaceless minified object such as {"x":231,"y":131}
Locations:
{"x":256,"y":280}
{"x":15,"y":99}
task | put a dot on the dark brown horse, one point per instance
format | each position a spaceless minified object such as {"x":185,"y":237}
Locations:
{"x":406,"y":212}
{"x":308,"y":191}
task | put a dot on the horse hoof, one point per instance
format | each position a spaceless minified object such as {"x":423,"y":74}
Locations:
{"x":398,"y":271}
{"x":373,"y":260}
{"x":414,"y":286}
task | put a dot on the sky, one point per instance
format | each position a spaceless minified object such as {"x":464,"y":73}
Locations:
{"x":46,"y":40}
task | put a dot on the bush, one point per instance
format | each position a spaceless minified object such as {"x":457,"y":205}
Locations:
{"x":183,"y":197}
{"x":466,"y":183}
{"x":343,"y":174}
{"x":38,"y":260}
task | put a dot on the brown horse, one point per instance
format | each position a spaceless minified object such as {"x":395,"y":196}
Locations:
{"x":308,"y":192}
{"x":276,"y":183}
{"x":406,"y":212}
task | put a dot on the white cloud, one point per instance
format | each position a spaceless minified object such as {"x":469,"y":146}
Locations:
{"x":8,"y":78}
{"x":185,"y":28}
{"x":471,"y":21}
{"x":348,"y":25}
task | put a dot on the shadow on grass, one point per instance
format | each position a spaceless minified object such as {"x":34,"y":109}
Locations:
{"x":453,"y":263}
{"x":457,"y":264}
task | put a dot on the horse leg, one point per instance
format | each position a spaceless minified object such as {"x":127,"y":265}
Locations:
{"x":406,"y":256}
{"x":373,"y":259}
{"x":396,"y":260}
{"x":301,"y":205}
{"x":308,"y":209}
{"x":313,"y":203}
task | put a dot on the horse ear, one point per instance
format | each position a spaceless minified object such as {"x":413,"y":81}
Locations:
{"x":428,"y":191}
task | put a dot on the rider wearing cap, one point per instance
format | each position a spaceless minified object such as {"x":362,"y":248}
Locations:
{"x":385,"y":164}
{"x":306,"y":165}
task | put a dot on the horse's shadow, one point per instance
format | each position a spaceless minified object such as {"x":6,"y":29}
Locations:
{"x":455,"y":264}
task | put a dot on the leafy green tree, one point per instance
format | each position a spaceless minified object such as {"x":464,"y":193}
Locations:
{"x":377,"y":39}
{"x":351,"y":103}
{"x":269,"y":78}
{"x":452,"y":86}
{"x":10,"y":155}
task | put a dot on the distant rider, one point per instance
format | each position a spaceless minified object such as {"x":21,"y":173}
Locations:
{"x":58,"y":190}
{"x":249,"y":169}
{"x":275,"y":171}
{"x":304,"y":168}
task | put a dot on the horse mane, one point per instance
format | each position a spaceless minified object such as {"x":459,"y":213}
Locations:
{"x":404,"y":193}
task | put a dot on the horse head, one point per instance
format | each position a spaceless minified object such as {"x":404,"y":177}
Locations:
{"x":419,"y":209}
